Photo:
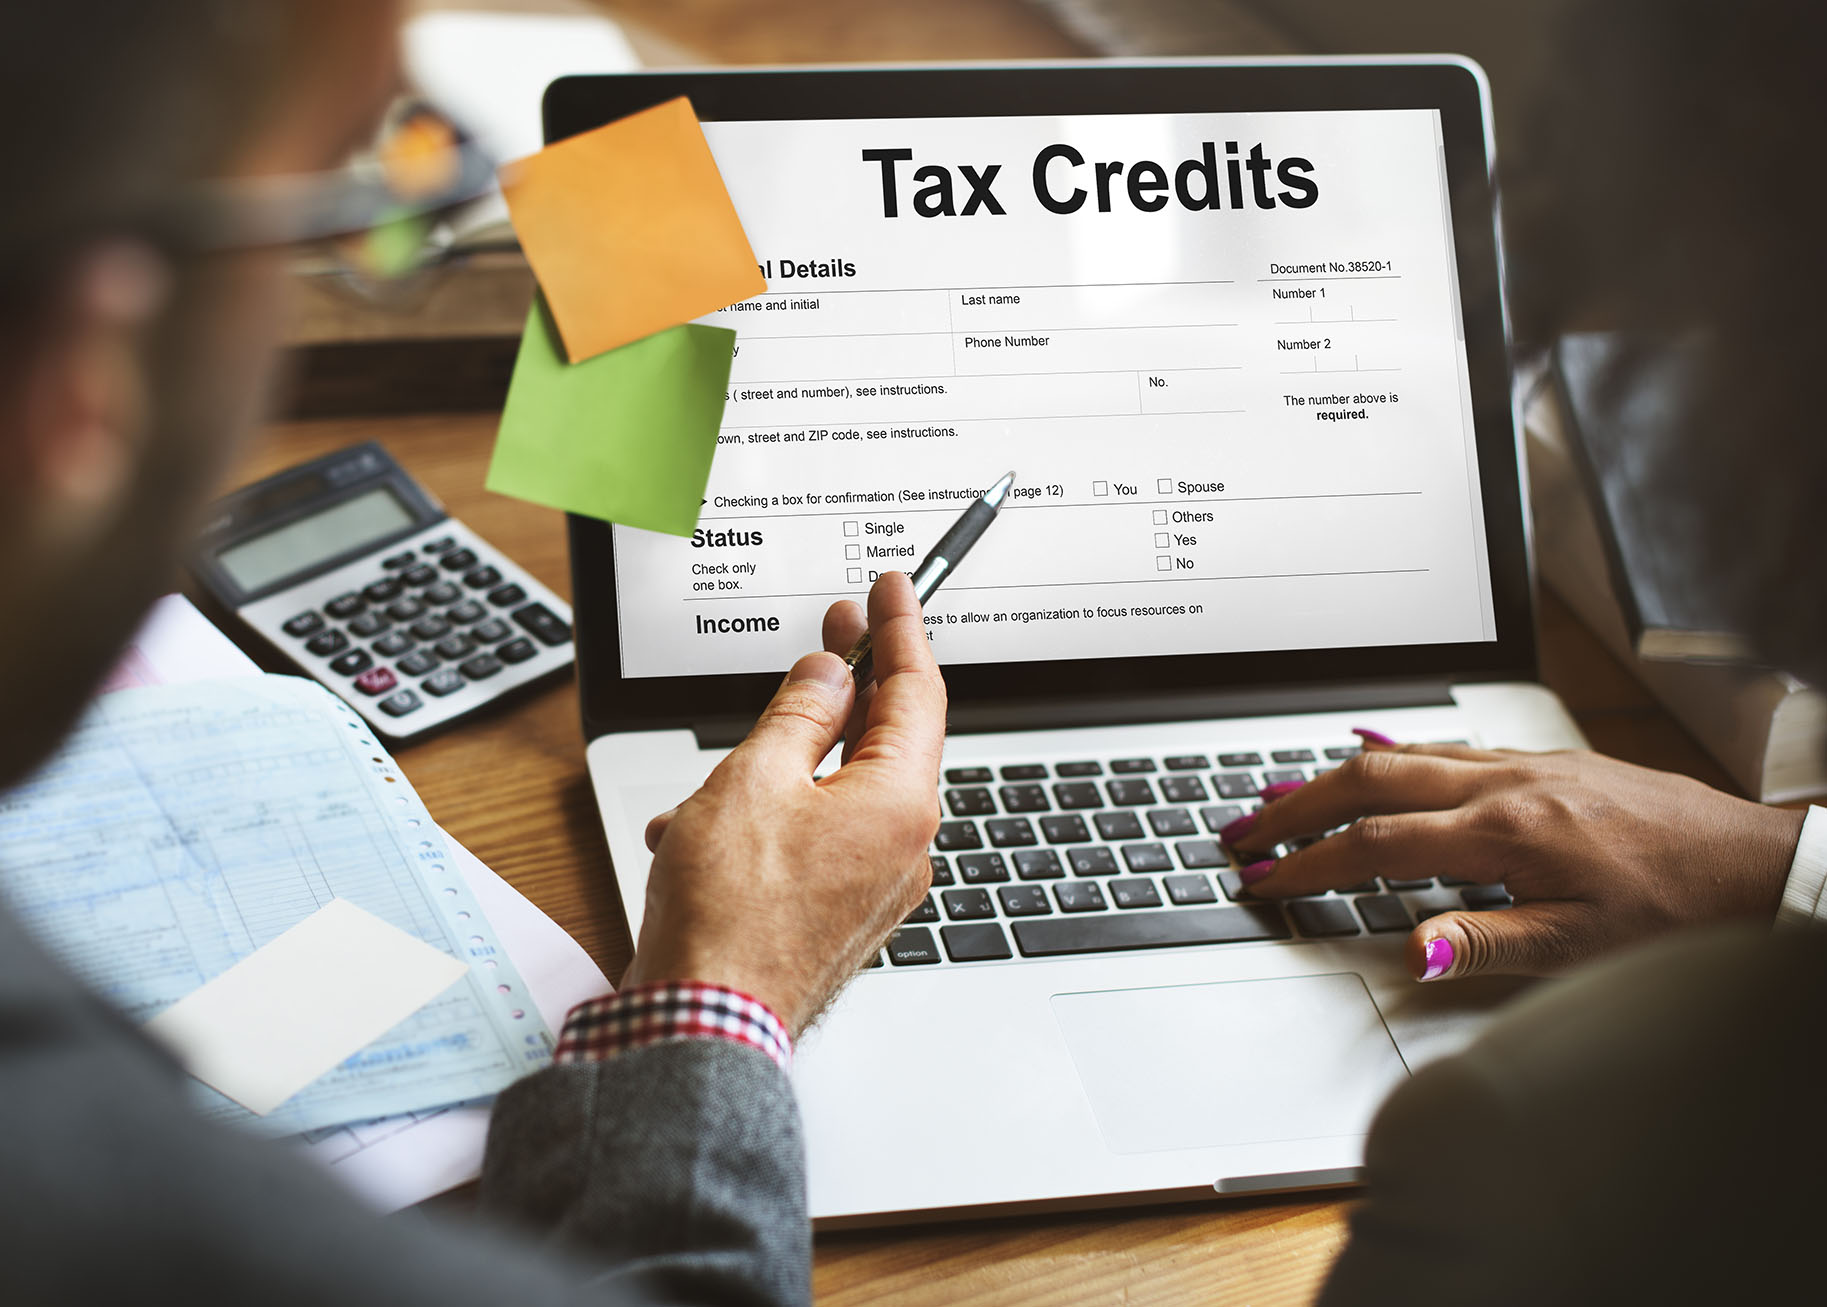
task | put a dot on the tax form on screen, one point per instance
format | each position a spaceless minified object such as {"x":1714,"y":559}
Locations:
{"x":1224,"y":353}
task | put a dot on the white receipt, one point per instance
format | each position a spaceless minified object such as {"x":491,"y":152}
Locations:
{"x":299,"y":1004}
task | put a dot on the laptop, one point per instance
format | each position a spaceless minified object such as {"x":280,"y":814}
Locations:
{"x":1238,"y":328}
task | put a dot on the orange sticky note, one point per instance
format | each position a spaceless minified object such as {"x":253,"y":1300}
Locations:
{"x":630,"y":230}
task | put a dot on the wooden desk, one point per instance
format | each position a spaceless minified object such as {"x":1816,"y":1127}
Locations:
{"x":512,"y":787}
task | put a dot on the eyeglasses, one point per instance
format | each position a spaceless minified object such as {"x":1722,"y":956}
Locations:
{"x":381,"y":218}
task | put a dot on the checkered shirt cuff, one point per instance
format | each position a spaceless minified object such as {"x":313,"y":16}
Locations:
{"x":599,"y":1028}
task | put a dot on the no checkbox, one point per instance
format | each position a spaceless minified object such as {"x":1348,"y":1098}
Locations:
{"x":1164,"y":564}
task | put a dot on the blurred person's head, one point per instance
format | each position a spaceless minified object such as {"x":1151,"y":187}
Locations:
{"x":1672,"y":183}
{"x":127,"y":367}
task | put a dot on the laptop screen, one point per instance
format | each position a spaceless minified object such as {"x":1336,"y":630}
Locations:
{"x":1223,"y":354}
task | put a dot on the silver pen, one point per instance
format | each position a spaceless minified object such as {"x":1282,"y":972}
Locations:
{"x":940,"y":563}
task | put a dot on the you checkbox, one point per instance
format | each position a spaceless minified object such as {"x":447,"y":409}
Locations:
{"x":1100,"y":488}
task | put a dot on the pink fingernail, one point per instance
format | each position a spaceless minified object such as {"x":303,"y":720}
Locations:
{"x":1239,"y":828}
{"x":1269,"y":793}
{"x":1258,"y":870}
{"x":1439,"y":956}
{"x":1374,"y":737}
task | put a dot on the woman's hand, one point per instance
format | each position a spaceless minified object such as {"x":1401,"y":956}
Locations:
{"x":1596,"y":853}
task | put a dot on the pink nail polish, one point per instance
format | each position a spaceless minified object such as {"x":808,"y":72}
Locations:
{"x":1238,"y":829}
{"x":1258,"y":870}
{"x":1374,"y":737}
{"x":1438,"y":954}
{"x":1269,"y":793}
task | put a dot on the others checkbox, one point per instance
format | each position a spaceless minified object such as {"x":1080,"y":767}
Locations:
{"x":851,"y":528}
{"x":854,"y":576}
{"x":1165,"y":486}
{"x":1160,"y":540}
{"x":1100,"y":488}
{"x":1160,"y":517}
{"x":1164,"y":564}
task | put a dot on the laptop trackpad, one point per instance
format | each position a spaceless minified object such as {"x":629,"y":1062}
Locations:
{"x":1247,"y":1061}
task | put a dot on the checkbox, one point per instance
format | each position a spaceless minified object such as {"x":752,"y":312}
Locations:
{"x":1165,"y":486}
{"x":1160,"y":517}
{"x":851,"y":528}
{"x":1100,"y":488}
{"x":856,"y":551}
{"x":854,"y":576}
{"x":1164,"y":564}
{"x":1160,"y":540}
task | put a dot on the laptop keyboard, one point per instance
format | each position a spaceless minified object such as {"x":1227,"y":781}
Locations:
{"x":1051,"y":859}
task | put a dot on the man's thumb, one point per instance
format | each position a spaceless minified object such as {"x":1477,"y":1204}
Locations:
{"x":1531,"y":939}
{"x":804,"y":720}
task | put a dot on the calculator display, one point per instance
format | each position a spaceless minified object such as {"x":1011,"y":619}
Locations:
{"x":308,"y":541}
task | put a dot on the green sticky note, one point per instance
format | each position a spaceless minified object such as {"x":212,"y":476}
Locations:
{"x":626,"y":436}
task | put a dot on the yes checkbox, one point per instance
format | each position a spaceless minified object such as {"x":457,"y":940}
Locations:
{"x":1100,"y":488}
{"x":851,"y":528}
{"x":1164,"y":564}
{"x":854,"y":576}
{"x":855,"y":551}
{"x":1160,"y":540}
{"x":1165,"y":486}
{"x":1160,"y":517}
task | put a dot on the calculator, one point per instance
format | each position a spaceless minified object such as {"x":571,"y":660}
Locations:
{"x":358,"y":575}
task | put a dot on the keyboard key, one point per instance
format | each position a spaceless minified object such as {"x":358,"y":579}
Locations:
{"x":1130,"y":793}
{"x":1080,"y":896}
{"x":1219,"y":815}
{"x":481,"y":667}
{"x":911,"y":945}
{"x":543,"y":624}
{"x":1186,"y":762}
{"x":441,"y":593}
{"x":376,"y":680}
{"x":404,"y":610}
{"x":1192,"y":888}
{"x":418,"y":663}
{"x":431,"y":628}
{"x":1340,"y":752}
{"x":875,"y":960}
{"x":455,"y":645}
{"x":1201,"y":853}
{"x":345,"y":605}
{"x":420,"y":575}
{"x":1078,"y":769}
{"x":1024,"y":798}
{"x":458,"y":560}
{"x":481,"y":578}
{"x":506,"y":596}
{"x":983,"y":942}
{"x":398,"y":705}
{"x":393,"y":644}
{"x":490,"y":631}
{"x":1274,"y":777}
{"x":1235,"y":785}
{"x":1383,"y":912}
{"x":443,"y":544}
{"x":968,"y":904}
{"x":1407,"y":884}
{"x":982,"y":868}
{"x":325,"y":643}
{"x":1024,"y":901}
{"x":1119,"y":825}
{"x":309,"y":622}
{"x":1168,"y":822}
{"x":467,"y":611}
{"x":972,"y":802}
{"x":1292,"y":755}
{"x":1183,"y":789}
{"x":957,"y":835}
{"x":1323,"y":917}
{"x":370,"y":623}
{"x":1147,"y":857}
{"x":1131,"y":766}
{"x":379,"y":592}
{"x":941,"y":869}
{"x":1011,"y":832}
{"x":1038,"y":864}
{"x":1363,"y":887}
{"x":925,"y":912}
{"x":1077,"y":794}
{"x":1422,"y":914}
{"x":969,"y":776}
{"x":1069,"y":829}
{"x":516,"y":651}
{"x":1482,"y":898}
{"x":395,"y":562}
{"x":349,"y":664}
{"x":1240,"y":760}
{"x":1052,"y":936}
{"x":1139,"y":892}
{"x":1456,"y":880}
{"x":1234,"y":888}
{"x":445,"y":682}
{"x":1092,"y":860}
{"x":1025,"y":771}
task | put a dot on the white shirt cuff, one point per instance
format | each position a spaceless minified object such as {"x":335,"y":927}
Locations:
{"x":1802,"y":902}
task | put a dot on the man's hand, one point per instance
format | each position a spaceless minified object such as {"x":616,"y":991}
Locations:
{"x":1597,"y":853}
{"x":781,"y":886}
